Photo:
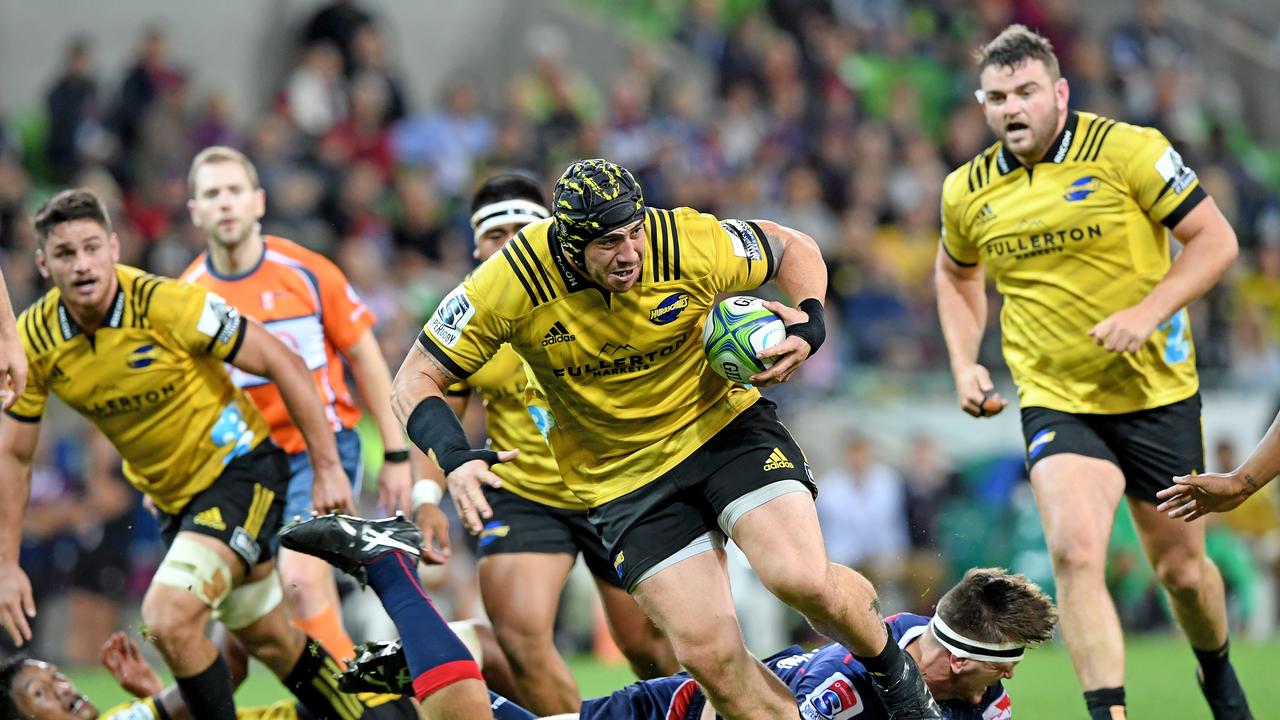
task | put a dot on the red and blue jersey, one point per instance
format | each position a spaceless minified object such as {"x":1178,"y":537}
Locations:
{"x":828,"y":683}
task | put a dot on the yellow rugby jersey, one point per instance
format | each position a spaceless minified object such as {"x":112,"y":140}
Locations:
{"x":628,"y":388}
{"x":511,"y":423}
{"x":381,"y":706}
{"x":151,"y":378}
{"x":1081,"y":235}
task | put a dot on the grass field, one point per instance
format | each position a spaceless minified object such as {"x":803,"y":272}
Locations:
{"x":1160,"y":670}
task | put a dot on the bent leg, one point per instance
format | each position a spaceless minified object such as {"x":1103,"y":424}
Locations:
{"x":645,"y":647}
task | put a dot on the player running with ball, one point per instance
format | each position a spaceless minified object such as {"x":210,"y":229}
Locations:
{"x":668,"y":457}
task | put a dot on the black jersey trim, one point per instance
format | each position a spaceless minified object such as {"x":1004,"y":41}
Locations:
{"x":770,"y":264}
{"x":23,"y":418}
{"x":664,"y":217}
{"x":438,"y":353}
{"x":528,"y":268}
{"x":955,"y":259}
{"x":1189,"y":203}
{"x":1058,"y":149}
{"x":675,"y":246}
{"x":515,"y":270}
{"x":33,"y":334}
{"x":537,"y":262}
{"x":1095,"y":142}
{"x":1098,"y":149}
{"x":41,"y":323}
{"x":651,"y":217}
{"x":239,"y":341}
{"x":1081,"y":151}
{"x":450,"y":392}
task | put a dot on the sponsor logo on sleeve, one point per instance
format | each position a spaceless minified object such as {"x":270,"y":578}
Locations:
{"x":217,"y":318}
{"x":835,"y":699}
{"x":743,"y":238}
{"x":451,"y":317}
{"x":1174,"y":171}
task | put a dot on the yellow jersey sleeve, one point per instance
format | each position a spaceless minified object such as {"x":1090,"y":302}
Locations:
{"x":31,"y":330}
{"x":1163,"y":186}
{"x":199,"y":320}
{"x":742,"y":258}
{"x":473,"y":321}
{"x":956,"y":242}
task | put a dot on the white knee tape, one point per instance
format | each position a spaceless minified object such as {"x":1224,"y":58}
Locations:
{"x":193,"y":567}
{"x":250,"y":602}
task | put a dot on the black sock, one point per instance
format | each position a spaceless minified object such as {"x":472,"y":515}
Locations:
{"x":314,"y":681}
{"x":1102,"y":701}
{"x":889,"y":659}
{"x":1213,"y":662}
{"x":208,"y":693}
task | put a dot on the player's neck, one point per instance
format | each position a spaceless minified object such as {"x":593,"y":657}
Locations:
{"x":1037,"y":154}
{"x":237,"y":258}
{"x":90,"y":317}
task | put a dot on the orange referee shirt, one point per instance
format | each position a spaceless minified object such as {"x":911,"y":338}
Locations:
{"x":306,"y":301}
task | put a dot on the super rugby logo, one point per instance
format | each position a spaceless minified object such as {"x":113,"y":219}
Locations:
{"x":451,"y":317}
{"x":669,"y":309}
{"x":835,"y":699}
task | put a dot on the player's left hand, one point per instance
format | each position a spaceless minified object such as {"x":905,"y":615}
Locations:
{"x":120,"y":656}
{"x":434,"y":525}
{"x":1194,"y":496}
{"x":13,"y":370}
{"x":395,"y":485}
{"x":788,"y":354}
{"x":1126,"y":330}
{"x":331,"y":490}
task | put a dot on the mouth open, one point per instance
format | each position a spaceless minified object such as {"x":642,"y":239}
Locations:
{"x":623,"y":275}
{"x":84,"y":286}
{"x":1016,"y":127}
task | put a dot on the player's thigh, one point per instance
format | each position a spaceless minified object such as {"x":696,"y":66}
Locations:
{"x":1076,"y":478}
{"x":692,"y":603}
{"x":1176,"y":548}
{"x":1155,"y":445}
{"x":521,"y":591}
{"x":782,"y":540}
{"x":195,"y":576}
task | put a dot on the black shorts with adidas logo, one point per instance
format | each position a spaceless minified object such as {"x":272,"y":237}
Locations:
{"x":646,"y":526}
{"x":243,"y":508}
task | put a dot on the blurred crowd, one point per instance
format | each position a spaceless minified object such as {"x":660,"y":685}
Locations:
{"x":838,"y":117}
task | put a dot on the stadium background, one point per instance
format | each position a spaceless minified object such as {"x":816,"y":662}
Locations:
{"x":370,"y":121}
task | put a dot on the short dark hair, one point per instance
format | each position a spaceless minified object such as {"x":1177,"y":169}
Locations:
{"x":1015,"y":46}
{"x":67,"y":206}
{"x":994,"y":605}
{"x":8,"y":673}
{"x":511,"y":185}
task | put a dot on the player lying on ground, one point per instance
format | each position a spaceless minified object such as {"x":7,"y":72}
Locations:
{"x":35,"y":690}
{"x":982,"y":629}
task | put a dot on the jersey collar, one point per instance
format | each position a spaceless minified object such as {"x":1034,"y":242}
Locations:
{"x":115,"y":316}
{"x":573,"y":280}
{"x":1056,"y":153}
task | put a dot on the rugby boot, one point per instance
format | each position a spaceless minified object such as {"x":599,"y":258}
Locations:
{"x":1226,"y":697}
{"x":904,"y":694}
{"x":350,"y":543}
{"x":378,"y":667}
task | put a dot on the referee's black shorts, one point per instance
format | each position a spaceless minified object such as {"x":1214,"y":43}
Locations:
{"x":1150,"y":447}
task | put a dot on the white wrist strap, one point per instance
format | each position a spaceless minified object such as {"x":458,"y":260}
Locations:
{"x":425,"y":492}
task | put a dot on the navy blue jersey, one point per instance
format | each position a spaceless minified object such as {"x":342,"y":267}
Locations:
{"x":829,"y":684}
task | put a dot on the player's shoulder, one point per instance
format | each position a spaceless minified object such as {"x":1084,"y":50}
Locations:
{"x":971,"y":178}
{"x":523,"y":275}
{"x":38,"y":322}
{"x":683,"y":242}
{"x":1112,"y":141}
{"x":996,"y":703}
{"x":287,"y":252}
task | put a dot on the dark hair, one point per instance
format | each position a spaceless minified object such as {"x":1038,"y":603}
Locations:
{"x":507,"y":186}
{"x":1015,"y":46}
{"x":8,"y":673}
{"x":67,"y":206}
{"x":996,"y":606}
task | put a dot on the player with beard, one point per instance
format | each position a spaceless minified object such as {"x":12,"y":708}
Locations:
{"x":538,"y":528}
{"x":605,"y":303}
{"x":1072,"y":213}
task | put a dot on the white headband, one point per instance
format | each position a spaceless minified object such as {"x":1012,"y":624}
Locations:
{"x":964,"y":647}
{"x":507,"y":212}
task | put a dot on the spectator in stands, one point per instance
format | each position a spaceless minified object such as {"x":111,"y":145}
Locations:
{"x":72,"y":106}
{"x":878,"y":539}
{"x":337,"y":24}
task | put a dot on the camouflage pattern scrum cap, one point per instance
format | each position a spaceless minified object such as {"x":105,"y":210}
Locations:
{"x":591,"y":199}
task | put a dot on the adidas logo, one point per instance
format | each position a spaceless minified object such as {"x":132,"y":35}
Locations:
{"x":986,"y":214}
{"x":557,"y":334}
{"x":211,"y":518}
{"x":777,"y":461}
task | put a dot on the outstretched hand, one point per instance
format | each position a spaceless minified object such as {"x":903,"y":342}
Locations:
{"x":465,"y":488}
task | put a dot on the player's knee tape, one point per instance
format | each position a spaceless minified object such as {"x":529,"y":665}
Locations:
{"x":250,"y":602}
{"x":470,"y":637}
{"x":194,"y":567}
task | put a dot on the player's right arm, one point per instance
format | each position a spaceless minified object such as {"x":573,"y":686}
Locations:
{"x":962,"y":309}
{"x":17,"y":450}
{"x":460,"y":337}
{"x":13,"y":357}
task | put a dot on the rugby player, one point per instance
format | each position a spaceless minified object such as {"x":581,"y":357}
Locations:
{"x":142,"y":357}
{"x":1072,"y":213}
{"x":13,"y":360}
{"x":538,"y":527}
{"x":981,"y":630}
{"x":668,"y":456}
{"x":303,"y":299}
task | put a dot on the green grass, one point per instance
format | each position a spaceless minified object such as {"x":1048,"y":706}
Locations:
{"x":1160,"y":670}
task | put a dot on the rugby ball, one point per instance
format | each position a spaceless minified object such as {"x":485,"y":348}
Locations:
{"x":735,"y":330}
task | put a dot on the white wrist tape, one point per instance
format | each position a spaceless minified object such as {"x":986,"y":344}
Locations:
{"x":425,"y":492}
